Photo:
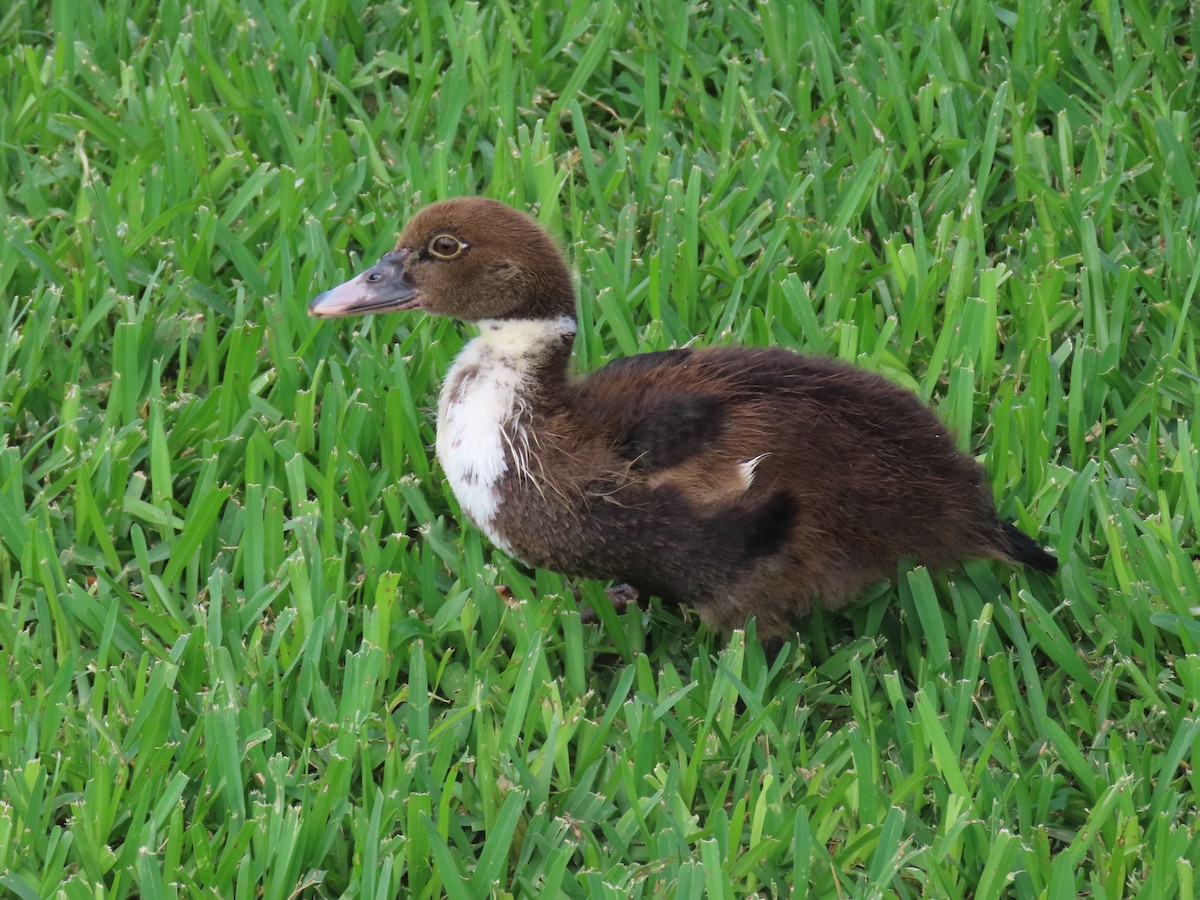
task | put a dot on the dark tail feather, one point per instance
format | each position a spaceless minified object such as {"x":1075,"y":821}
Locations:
{"x":1024,"y":549}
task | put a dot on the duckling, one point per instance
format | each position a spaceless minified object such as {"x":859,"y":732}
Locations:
{"x":740,"y":481}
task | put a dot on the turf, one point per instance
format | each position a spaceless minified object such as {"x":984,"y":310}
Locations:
{"x":251,"y":649}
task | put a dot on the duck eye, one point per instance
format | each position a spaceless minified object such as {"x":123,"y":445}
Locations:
{"x":373,"y":277}
{"x":446,"y":246}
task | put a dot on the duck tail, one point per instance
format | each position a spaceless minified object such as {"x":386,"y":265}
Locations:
{"x":1025,"y":550}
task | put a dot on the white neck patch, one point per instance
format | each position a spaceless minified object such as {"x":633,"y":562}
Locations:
{"x":481,"y":412}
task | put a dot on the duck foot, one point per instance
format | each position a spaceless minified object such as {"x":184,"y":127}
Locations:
{"x":506,"y":594}
{"x":622,"y":596}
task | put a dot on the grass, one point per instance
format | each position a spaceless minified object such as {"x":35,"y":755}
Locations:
{"x":250,"y":649}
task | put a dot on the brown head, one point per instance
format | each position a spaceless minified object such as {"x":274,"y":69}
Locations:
{"x":469,"y":258}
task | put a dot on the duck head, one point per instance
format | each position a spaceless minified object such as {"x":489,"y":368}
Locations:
{"x":469,"y":258}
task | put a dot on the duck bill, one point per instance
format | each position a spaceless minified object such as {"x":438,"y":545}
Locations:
{"x":385,"y":287}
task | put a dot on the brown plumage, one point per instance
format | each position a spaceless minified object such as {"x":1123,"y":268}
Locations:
{"x":739,"y":481}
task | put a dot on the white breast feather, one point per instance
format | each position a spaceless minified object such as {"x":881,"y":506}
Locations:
{"x":482,"y":413}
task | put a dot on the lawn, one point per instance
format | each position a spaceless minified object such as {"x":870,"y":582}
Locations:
{"x":252,"y":649}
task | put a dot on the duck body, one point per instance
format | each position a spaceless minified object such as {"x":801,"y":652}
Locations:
{"x":739,"y":481}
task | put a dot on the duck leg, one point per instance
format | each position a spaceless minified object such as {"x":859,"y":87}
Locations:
{"x":622,"y":597}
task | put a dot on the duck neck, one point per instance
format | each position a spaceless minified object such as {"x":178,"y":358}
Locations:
{"x":534,"y":351}
{"x":496,"y":387}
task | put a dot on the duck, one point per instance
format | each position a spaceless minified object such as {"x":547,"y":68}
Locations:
{"x":743,"y":482}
